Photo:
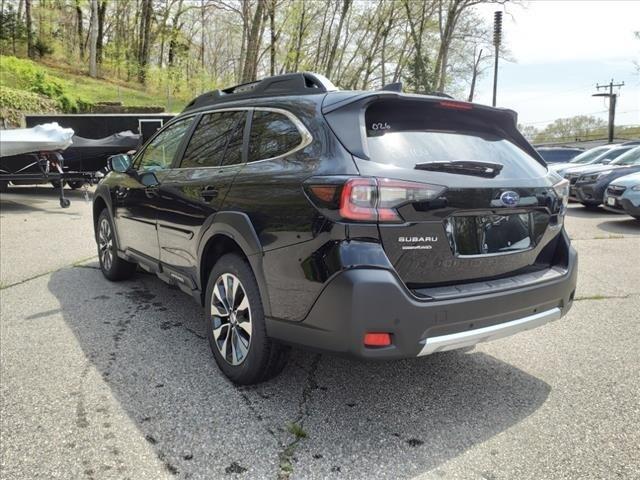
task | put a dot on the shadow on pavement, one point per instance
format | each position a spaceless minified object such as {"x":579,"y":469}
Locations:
{"x":24,"y":199}
{"x":622,"y":225}
{"x":579,"y":211}
{"x":365,"y":420}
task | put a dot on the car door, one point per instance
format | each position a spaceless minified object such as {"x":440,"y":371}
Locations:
{"x":196,"y":188}
{"x":137,"y":203}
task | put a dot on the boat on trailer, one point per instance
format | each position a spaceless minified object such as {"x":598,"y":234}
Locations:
{"x":33,"y":155}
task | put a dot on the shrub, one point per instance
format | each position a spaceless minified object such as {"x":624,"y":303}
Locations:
{"x":42,"y":47}
{"x":28,"y":76}
{"x":15,"y":103}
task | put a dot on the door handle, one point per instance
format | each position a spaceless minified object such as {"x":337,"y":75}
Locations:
{"x":209,"y":193}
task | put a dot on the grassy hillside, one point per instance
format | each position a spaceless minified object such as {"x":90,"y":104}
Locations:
{"x":31,"y":87}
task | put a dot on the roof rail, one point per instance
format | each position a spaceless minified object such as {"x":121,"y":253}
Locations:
{"x":304,"y":83}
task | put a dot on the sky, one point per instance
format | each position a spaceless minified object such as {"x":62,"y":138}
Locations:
{"x":560,"y":51}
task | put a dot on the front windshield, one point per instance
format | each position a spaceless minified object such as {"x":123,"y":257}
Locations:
{"x":632,"y":157}
{"x":610,"y":155}
{"x":589,"y":155}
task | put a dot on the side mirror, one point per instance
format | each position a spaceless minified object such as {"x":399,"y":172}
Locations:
{"x":606,"y":162}
{"x":120,"y":163}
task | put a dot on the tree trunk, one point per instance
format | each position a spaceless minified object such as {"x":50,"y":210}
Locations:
{"x":301,"y":29}
{"x":102,"y":10}
{"x":27,"y":11}
{"x":249,"y":72}
{"x":173,"y":40}
{"x":79,"y":30}
{"x":334,"y":48}
{"x":454,"y":10}
{"x":93,"y":43}
{"x":320,"y":37}
{"x":145,"y":34}
{"x":202,"y":22}
{"x":272,"y":31}
{"x":476,"y":70}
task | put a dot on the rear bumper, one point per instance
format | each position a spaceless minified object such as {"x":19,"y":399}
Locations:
{"x":486,"y":334}
{"x":364,"y":300}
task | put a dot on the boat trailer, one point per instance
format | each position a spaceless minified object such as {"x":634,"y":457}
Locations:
{"x":48,"y":168}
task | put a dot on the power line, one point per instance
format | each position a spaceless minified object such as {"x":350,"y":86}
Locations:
{"x":555,"y":93}
{"x":554,"y":119}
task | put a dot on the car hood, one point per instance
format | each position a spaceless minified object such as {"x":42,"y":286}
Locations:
{"x":627,"y":180}
{"x":586,"y":169}
{"x":560,"y":166}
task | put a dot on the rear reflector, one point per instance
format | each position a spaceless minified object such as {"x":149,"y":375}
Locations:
{"x":377,"y":339}
{"x":326,"y":193}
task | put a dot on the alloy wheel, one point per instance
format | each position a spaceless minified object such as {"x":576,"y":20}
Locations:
{"x":105,"y":244}
{"x":231,"y":319}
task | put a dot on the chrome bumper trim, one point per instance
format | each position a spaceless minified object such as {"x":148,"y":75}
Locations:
{"x":487,"y":334}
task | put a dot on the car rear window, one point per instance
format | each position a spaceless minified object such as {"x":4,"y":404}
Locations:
{"x":557,"y":156}
{"x":418,"y":133}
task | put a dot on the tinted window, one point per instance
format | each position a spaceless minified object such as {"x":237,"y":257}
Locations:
{"x":272,"y":134}
{"x":557,"y":156}
{"x":233,"y":154}
{"x":160,"y":152}
{"x":405,"y":134}
{"x":212,"y":141}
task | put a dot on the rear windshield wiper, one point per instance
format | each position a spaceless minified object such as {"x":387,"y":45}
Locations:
{"x":463,"y":167}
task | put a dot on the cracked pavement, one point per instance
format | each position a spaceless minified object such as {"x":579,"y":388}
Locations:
{"x":105,"y":380}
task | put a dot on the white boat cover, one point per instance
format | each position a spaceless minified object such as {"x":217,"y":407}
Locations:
{"x":41,"y":138}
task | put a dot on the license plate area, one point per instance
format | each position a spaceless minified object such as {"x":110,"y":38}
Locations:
{"x":494,"y":234}
{"x":611,"y":201}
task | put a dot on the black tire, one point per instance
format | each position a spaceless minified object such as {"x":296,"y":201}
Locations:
{"x":75,"y":185}
{"x":263,"y":358}
{"x":113,"y":267}
{"x":56,"y":183}
{"x":591,"y":206}
{"x":4,"y":186}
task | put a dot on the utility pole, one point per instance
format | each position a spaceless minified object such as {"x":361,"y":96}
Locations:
{"x":497,"y":38}
{"x":612,"y":103}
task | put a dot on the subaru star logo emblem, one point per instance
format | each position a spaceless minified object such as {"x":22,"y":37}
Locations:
{"x":509,"y":199}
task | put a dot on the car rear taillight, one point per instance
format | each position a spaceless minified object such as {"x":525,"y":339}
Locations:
{"x":562,"y":191}
{"x":370,"y":199}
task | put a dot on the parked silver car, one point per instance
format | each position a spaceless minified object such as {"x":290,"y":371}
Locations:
{"x":623,"y":195}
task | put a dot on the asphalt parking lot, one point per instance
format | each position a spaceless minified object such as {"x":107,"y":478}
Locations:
{"x":115,"y":380}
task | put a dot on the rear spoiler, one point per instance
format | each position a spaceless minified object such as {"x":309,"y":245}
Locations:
{"x":340,"y":113}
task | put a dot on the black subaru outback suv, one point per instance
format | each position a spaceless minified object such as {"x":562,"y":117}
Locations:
{"x":377,"y":224}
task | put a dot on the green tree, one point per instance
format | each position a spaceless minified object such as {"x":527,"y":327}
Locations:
{"x":580,"y":127}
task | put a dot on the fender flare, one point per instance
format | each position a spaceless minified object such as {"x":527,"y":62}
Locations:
{"x":238,"y":227}
{"x":104,"y":195}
